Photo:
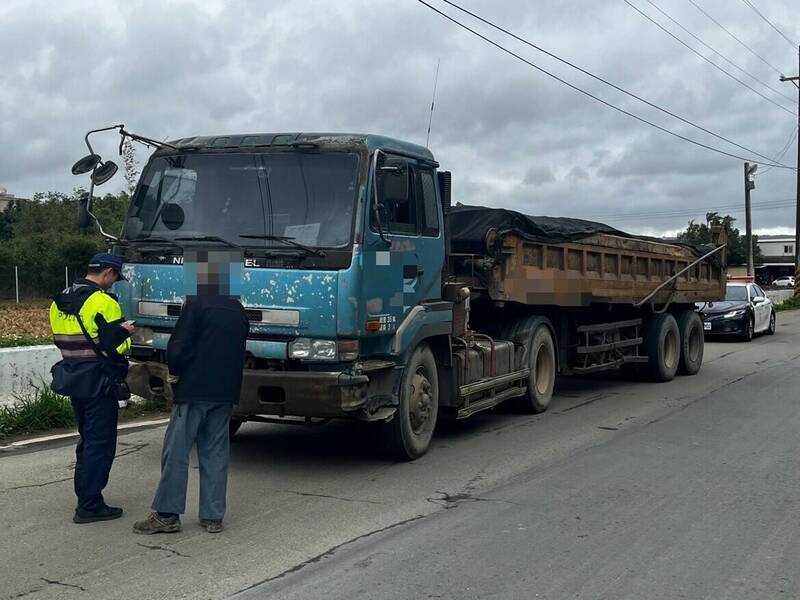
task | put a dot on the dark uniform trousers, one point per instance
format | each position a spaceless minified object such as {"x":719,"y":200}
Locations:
{"x":97,"y":424}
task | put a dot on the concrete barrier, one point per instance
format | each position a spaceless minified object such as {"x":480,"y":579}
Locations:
{"x":779,"y":296}
{"x":24,"y":367}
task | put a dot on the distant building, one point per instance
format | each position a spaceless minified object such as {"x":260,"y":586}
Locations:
{"x":777,"y":257}
{"x":5,"y":198}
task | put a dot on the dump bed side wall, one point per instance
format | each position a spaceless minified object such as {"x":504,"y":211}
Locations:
{"x":599,"y":269}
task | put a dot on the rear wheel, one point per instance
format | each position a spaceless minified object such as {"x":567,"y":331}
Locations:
{"x":772,"y":323}
{"x":408,"y":434}
{"x":662,"y":344}
{"x":541,"y":360}
{"x":690,"y":326}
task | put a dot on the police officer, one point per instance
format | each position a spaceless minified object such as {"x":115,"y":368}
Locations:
{"x":88,"y":328}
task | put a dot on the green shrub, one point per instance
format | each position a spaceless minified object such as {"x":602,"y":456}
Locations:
{"x":39,"y":410}
{"x":792,"y":303}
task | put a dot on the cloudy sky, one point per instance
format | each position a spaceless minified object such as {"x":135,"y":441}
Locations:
{"x":512,"y":136}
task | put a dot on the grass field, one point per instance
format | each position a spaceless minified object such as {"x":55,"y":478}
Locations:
{"x":24,"y":324}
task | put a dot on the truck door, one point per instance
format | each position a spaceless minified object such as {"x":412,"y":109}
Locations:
{"x":408,"y":271}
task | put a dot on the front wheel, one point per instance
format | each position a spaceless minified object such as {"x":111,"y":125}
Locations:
{"x":408,"y":435}
{"x":749,"y":330}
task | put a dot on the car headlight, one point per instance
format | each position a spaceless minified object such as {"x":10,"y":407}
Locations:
{"x":310,"y":349}
{"x":733,"y":313}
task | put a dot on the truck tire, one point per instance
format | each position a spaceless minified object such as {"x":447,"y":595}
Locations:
{"x":662,"y":345}
{"x":690,"y":326}
{"x":408,"y":434}
{"x":541,"y":360}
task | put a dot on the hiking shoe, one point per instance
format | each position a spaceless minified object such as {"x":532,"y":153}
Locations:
{"x":106,"y":513}
{"x":212,"y":525}
{"x":155,"y":523}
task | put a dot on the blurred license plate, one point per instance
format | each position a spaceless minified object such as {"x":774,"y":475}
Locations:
{"x":707,"y":326}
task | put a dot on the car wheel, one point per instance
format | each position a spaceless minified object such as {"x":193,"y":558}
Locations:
{"x":772,"y":323}
{"x":749,"y":330}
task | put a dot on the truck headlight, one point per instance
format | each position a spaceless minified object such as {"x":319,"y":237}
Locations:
{"x":732,"y":314}
{"x":310,"y":349}
{"x":142,"y":336}
{"x":324,"y":350}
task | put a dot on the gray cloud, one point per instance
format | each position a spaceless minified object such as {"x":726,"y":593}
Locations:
{"x":511,"y":136}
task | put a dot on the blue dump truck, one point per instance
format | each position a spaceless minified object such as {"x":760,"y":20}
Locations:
{"x":371,"y":297}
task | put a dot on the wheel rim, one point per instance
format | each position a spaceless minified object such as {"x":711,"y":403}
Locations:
{"x":420,"y":401}
{"x":750,"y":329}
{"x":543,"y":370}
{"x":695,"y":343}
{"x":671,"y":349}
{"x":772,"y":322}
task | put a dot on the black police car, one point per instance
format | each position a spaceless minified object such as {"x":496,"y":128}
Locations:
{"x":745,"y":311}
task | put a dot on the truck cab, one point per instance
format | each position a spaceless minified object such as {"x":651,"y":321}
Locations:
{"x":343,"y":244}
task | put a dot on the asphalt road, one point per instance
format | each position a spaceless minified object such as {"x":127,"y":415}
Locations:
{"x":622,"y":490}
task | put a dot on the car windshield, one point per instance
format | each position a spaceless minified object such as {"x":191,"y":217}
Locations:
{"x":736,"y":293}
{"x":306,"y":196}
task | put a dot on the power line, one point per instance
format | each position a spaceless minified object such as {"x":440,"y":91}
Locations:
{"x":590,"y":95}
{"x":783,"y":35}
{"x":705,"y":58}
{"x":602,"y":80}
{"x":768,"y":205}
{"x":722,"y":56}
{"x":783,"y":151}
{"x":725,"y":29}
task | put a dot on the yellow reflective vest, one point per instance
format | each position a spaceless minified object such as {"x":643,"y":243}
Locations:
{"x":100,"y":313}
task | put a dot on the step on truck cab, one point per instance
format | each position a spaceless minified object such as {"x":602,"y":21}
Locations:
{"x":370,"y":298}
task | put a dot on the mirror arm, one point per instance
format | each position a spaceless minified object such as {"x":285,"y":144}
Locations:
{"x":375,"y":203}
{"x":108,"y":236}
{"x":88,"y":133}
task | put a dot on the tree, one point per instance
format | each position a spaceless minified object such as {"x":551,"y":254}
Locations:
{"x":700,"y":233}
{"x":130,"y":165}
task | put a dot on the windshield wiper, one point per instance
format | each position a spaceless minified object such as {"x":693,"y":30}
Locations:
{"x":154,"y":240}
{"x":208,"y":238}
{"x":289,"y":241}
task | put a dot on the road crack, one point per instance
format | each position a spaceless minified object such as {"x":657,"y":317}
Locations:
{"x":328,"y":553}
{"x":61,"y":583}
{"x":164,"y":548}
{"x":36,"y":485}
{"x":343,"y":499}
{"x":449,"y":501}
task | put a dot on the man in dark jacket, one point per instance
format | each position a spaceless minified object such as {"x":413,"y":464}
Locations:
{"x":206,"y":353}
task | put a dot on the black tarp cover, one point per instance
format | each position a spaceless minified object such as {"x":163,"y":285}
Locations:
{"x":468,"y":226}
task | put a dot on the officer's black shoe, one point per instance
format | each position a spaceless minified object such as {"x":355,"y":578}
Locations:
{"x":107,"y":513}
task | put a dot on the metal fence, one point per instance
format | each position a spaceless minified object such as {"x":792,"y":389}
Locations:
{"x":21,"y":285}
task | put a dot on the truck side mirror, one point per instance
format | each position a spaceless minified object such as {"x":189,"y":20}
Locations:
{"x":393,"y":181}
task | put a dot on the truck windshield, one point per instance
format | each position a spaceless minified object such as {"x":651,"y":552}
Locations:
{"x":309,"y":197}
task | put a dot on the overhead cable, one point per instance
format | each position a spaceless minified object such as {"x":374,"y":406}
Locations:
{"x":592,"y":96}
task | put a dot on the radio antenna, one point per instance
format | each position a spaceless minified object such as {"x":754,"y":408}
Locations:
{"x":433,"y":101}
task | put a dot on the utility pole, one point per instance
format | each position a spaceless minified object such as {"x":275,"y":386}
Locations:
{"x":749,"y":184}
{"x":796,"y":81}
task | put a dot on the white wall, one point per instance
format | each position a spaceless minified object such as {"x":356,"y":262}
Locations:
{"x":775,"y":247}
{"x":24,"y":367}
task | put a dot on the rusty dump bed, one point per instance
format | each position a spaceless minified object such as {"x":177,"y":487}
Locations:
{"x":601,"y":267}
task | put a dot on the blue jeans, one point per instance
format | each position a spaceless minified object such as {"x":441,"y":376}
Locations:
{"x":204,"y":424}
{"x":94,"y":455}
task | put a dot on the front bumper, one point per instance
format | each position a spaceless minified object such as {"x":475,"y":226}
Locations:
{"x":265,"y":392}
{"x":720,"y":326}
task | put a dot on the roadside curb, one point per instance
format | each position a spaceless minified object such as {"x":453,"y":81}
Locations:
{"x":22,"y":444}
